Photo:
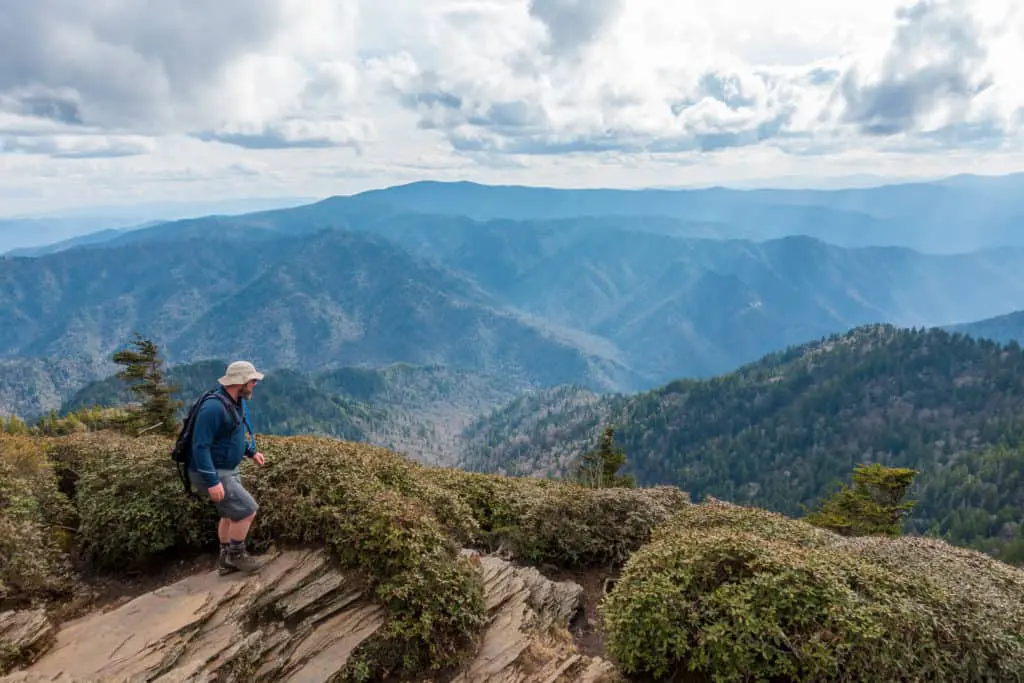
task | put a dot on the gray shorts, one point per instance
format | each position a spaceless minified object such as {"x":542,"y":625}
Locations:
{"x":237,"y":503}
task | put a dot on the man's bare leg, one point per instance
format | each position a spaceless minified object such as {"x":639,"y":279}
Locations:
{"x":239,"y":530}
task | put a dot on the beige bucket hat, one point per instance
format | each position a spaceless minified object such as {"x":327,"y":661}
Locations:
{"x":240,"y":372}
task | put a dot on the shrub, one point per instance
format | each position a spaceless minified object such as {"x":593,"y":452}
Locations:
{"x":735,"y":593}
{"x":400,"y":523}
{"x":34,"y":521}
{"x":982,"y":599}
{"x":559,"y":523}
{"x":130,"y":501}
{"x":350,"y":498}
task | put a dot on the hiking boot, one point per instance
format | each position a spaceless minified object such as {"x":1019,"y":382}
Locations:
{"x":222,"y":563}
{"x":241,"y":560}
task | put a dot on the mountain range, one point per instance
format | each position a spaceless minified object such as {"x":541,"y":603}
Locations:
{"x":1002,"y":328}
{"x":536,"y":286}
{"x":752,"y":346}
{"x":954,"y":215}
{"x":33,"y":235}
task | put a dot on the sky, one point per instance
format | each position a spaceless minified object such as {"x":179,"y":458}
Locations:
{"x":125,"y":101}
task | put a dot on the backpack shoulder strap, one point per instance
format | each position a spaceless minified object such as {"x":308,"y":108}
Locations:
{"x":229,"y":408}
{"x":190,"y":418}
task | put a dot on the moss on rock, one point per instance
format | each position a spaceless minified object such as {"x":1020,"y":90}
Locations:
{"x":737,"y":593}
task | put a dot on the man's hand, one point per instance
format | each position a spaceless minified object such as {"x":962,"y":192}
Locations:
{"x":217,"y":492}
{"x":259,"y":458}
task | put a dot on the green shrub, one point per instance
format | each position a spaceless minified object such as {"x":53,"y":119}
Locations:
{"x":401,"y":523}
{"x":739,"y":594}
{"x":982,"y":599}
{"x":559,"y":523}
{"x":34,"y":521}
{"x":349,"y":498}
{"x":130,"y":501}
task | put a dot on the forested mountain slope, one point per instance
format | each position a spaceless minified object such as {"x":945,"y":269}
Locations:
{"x":418,"y":410}
{"x":778,"y":433}
{"x":324,"y":301}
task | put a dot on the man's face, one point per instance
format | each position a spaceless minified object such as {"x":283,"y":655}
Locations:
{"x":247,"y":388}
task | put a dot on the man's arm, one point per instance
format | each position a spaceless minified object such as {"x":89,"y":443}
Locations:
{"x":208,"y":421}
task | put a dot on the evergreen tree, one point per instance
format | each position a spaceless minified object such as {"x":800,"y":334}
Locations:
{"x":13,"y":425}
{"x":599,"y":468}
{"x":143,"y":366}
{"x":873,"y":506}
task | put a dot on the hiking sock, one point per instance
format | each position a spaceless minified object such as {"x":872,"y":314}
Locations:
{"x":224,"y":548}
{"x":236,"y":547}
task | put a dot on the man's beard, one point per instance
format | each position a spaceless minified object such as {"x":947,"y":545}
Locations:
{"x":245,"y":392}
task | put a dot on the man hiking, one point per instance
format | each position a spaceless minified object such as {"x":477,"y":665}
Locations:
{"x":218,"y":446}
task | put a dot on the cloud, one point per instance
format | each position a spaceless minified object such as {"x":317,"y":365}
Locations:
{"x":935,"y":68}
{"x":625,"y":91}
{"x":77,"y":146}
{"x":311,"y":89}
{"x":140,"y":64}
{"x":572,"y":24}
{"x":294,"y":133}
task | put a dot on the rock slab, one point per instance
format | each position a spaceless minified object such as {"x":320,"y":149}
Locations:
{"x":297,"y":621}
{"x":23,"y":635}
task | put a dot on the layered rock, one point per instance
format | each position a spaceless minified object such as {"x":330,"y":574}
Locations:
{"x":23,"y":634}
{"x":299,"y":620}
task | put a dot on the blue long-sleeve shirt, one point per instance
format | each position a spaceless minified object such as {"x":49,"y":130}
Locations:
{"x":215,"y":445}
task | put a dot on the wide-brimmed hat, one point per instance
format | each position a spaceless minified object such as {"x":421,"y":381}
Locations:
{"x":240,"y":372}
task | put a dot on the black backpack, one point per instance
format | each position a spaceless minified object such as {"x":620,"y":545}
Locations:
{"x":182,"y":450}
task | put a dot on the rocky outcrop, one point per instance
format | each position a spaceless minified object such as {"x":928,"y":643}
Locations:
{"x":23,"y":635}
{"x":300,"y":619}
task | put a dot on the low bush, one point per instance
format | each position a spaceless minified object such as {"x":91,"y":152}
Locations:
{"x":738,"y":594}
{"x":35,"y":524}
{"x":981,"y":599}
{"x":130,"y":500}
{"x":559,"y":523}
{"x":350,"y":498}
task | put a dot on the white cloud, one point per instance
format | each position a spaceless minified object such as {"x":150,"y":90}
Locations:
{"x":326,"y":96}
{"x":77,"y":146}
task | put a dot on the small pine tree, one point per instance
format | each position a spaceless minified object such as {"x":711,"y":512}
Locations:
{"x":599,"y":468}
{"x":13,"y":425}
{"x":158,"y":410}
{"x":873,"y":506}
